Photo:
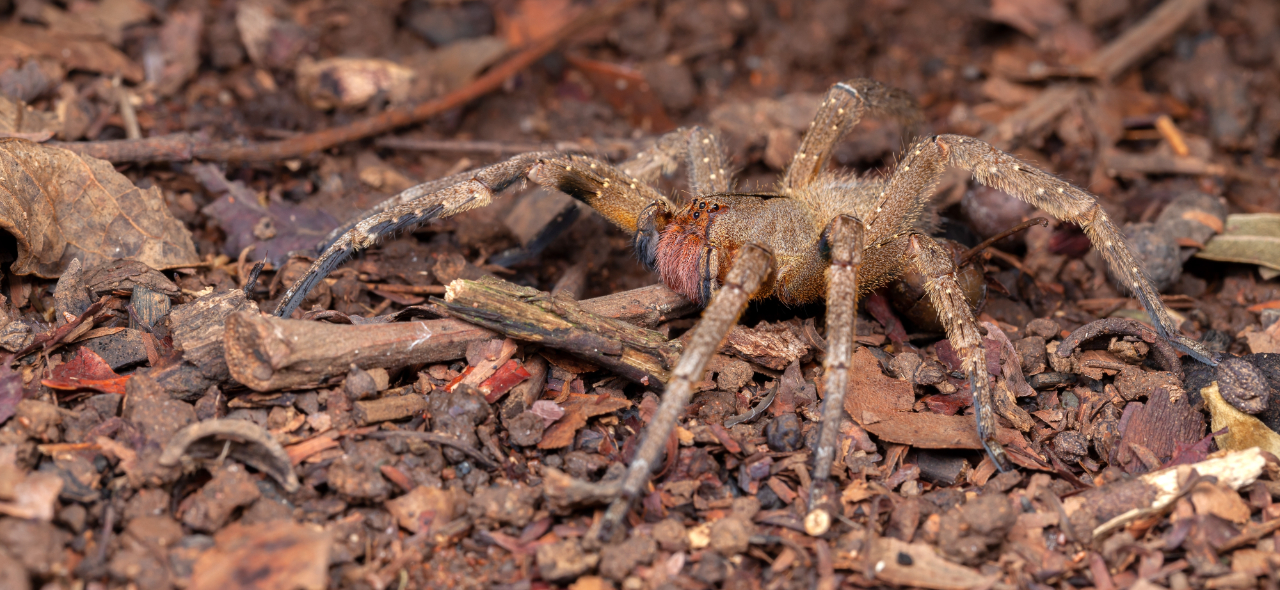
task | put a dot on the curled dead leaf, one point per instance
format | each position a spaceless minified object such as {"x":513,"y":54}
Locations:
{"x":248,"y":443}
{"x":60,"y":206}
{"x":1248,"y":238}
{"x":1243,"y":431}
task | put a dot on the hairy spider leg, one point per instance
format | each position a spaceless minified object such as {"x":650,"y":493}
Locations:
{"x":615,"y":194}
{"x":844,"y":239}
{"x":843,"y":107}
{"x":1000,"y":170}
{"x":748,"y":271}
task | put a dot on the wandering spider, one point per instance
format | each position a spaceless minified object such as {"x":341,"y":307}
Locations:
{"x":820,"y":234}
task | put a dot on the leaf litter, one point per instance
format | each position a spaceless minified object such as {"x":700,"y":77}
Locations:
{"x":460,"y":458}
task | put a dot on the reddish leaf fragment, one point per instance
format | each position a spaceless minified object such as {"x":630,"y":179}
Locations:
{"x":459,"y":378}
{"x":561,"y":434}
{"x":627,"y":91}
{"x":725,"y":439}
{"x":86,"y":370}
{"x":878,"y":306}
{"x":509,"y":375}
{"x":49,"y":340}
{"x":947,"y":354}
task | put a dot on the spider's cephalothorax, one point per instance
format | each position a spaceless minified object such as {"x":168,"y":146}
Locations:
{"x":820,"y":234}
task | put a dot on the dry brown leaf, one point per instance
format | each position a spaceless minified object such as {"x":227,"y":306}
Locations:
{"x":75,"y":53}
{"x":60,"y":206}
{"x":882,"y":405}
{"x":1252,"y":238}
{"x":577,"y":408}
{"x":268,"y":556}
{"x":1267,"y":340}
{"x":1220,"y":501}
{"x":534,"y":19}
{"x":180,"y":45}
{"x":560,"y":434}
{"x":1243,"y":431}
{"x":106,"y":19}
{"x":17,"y":119}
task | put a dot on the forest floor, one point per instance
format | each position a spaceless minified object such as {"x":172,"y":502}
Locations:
{"x":159,"y":430}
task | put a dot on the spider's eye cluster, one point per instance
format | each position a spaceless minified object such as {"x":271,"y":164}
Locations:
{"x":701,"y":205}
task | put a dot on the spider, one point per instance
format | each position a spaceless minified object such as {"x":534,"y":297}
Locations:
{"x":820,"y":234}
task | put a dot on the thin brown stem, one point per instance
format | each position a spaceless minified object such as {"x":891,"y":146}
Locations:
{"x":976,"y":250}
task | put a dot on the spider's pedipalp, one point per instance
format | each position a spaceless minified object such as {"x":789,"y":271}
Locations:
{"x":933,"y":263}
{"x":750,"y":268}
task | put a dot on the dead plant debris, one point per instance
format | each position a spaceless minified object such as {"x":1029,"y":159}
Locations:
{"x":456,"y":407}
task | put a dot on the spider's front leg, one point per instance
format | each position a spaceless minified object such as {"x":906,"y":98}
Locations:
{"x":751,"y":266}
{"x":844,"y":237}
{"x":618,"y":196}
{"x":410,"y":208}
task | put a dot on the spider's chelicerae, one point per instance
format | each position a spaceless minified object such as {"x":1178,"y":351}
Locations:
{"x":820,"y":234}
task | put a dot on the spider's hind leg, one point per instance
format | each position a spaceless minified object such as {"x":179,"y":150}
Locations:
{"x":1065,"y":201}
{"x":939,"y":271}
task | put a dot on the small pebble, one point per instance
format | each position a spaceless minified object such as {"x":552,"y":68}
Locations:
{"x":783,"y":433}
